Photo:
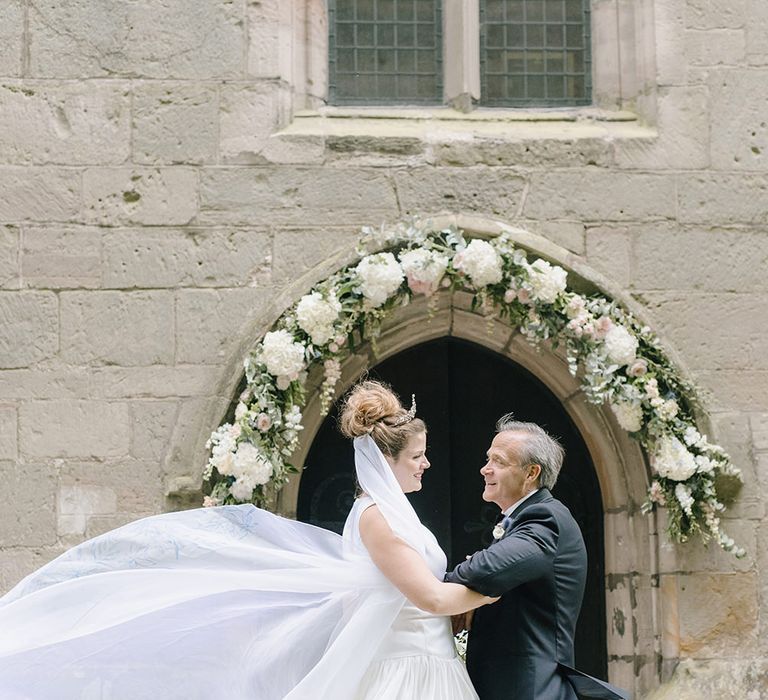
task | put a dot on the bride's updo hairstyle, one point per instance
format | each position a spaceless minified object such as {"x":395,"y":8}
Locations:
{"x":372,"y":408}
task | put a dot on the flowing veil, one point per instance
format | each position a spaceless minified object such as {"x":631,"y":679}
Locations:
{"x":229,"y":602}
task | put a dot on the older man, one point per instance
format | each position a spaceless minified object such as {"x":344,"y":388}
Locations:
{"x":521,"y":647}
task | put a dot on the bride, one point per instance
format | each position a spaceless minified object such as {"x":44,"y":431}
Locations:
{"x":235,"y":602}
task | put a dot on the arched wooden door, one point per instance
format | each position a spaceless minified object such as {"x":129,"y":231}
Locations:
{"x":461,"y":390}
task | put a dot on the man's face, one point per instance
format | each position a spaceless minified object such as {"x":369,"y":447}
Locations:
{"x":506,"y":480}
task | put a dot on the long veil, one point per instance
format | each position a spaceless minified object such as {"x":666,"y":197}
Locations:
{"x":229,"y":602}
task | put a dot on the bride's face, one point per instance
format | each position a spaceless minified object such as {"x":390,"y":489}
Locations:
{"x":411,"y":463}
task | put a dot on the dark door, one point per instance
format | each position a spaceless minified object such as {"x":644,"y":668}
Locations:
{"x":461,"y":390}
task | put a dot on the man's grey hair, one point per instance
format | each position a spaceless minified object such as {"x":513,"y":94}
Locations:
{"x":538,"y":448}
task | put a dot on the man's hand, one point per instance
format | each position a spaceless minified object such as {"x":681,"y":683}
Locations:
{"x":462,"y":621}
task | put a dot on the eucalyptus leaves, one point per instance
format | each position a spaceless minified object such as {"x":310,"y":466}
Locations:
{"x":617,"y":360}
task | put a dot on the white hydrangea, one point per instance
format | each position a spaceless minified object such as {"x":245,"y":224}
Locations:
{"x":672,"y":460}
{"x":281,"y":354}
{"x":668,"y":409}
{"x":692,"y":436}
{"x":629,"y":415}
{"x":424,"y":269}
{"x":704,"y":465}
{"x":316,"y":315}
{"x":620,"y":345}
{"x":380,"y":276}
{"x":576,"y":307}
{"x":251,"y":465}
{"x":241,"y":489}
{"x":684,"y":498}
{"x":547,"y":281}
{"x":480,"y":262}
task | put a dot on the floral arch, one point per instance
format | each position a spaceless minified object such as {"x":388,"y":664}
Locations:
{"x":614,"y":357}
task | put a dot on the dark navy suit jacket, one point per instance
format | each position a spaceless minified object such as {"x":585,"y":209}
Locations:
{"x":521,"y":647}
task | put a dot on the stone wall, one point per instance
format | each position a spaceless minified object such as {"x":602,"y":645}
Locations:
{"x":166,"y":193}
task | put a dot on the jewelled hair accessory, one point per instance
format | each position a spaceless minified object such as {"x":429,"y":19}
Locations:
{"x":409,"y":415}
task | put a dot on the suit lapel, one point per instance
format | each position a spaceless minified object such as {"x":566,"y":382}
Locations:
{"x":540,"y":496}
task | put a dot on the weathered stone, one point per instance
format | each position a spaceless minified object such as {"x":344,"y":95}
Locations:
{"x":175,"y":123}
{"x":124,"y":328}
{"x":197,"y":419}
{"x":744,"y":679}
{"x":29,"y":326}
{"x":150,"y":258}
{"x":156,"y":197}
{"x":695,"y":556}
{"x":702,"y":14}
{"x":718,"y":614}
{"x":741,"y":97}
{"x":732,"y":431}
{"x":496,"y":192}
{"x":593,"y":194}
{"x":11,"y":37}
{"x":695,"y":324}
{"x":715,"y":47}
{"x":609,"y":251}
{"x":9,"y":257}
{"x":759,"y":424}
{"x":65,"y":123}
{"x":298,"y":251}
{"x":296,"y":196}
{"x":39,"y":194}
{"x":706,"y":249}
{"x":669,"y":26}
{"x":293,"y":148}
{"x":61,"y":258}
{"x":45,"y":383}
{"x":67,"y":428}
{"x":722,"y":198}
{"x":620,"y":614}
{"x":209,"y":323}
{"x":18,"y":562}
{"x":683,"y":134}
{"x":734,"y":390}
{"x":9,"y":426}
{"x":269,"y":28}
{"x":568,"y":234}
{"x":248,"y":117}
{"x":151,"y":382}
{"x":757,"y":33}
{"x":139,"y":39}
{"x":77,"y":502}
{"x":29,"y":514}
{"x":151,"y":427}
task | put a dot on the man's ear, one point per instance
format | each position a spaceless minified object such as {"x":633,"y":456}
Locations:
{"x":535,"y":472}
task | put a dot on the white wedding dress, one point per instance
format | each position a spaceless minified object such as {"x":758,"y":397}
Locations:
{"x":231,"y":603}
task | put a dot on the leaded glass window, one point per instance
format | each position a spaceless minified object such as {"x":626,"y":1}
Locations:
{"x":385,"y":52}
{"x":535,"y":53}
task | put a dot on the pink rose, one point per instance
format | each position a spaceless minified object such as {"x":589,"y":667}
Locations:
{"x":420,"y":286}
{"x":602,"y":326}
{"x":524,"y":296}
{"x":638,"y":368}
{"x":263,"y":422}
{"x":509,"y":296}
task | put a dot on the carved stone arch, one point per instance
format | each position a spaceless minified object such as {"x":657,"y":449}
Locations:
{"x":640,"y":627}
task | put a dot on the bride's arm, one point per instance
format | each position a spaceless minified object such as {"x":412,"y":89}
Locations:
{"x":408,"y":571}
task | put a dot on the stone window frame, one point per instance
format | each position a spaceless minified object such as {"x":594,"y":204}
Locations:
{"x":623,"y":65}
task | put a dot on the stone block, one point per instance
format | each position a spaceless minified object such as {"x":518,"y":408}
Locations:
{"x":683,"y":133}
{"x":298,"y":250}
{"x":567,"y":234}
{"x":759,"y":425}
{"x":734,"y":390}
{"x":61,"y":257}
{"x":44,"y":383}
{"x":248,"y":117}
{"x":175,"y":123}
{"x":695,"y":557}
{"x":29,"y":328}
{"x":151,"y":197}
{"x":156,"y":382}
{"x":115,"y":486}
{"x":123,"y":328}
{"x":620,"y":613}
{"x":28,"y":516}
{"x":77,"y":502}
{"x":592,"y":194}
{"x":148,"y":258}
{"x":18,"y":562}
{"x":11,"y":37}
{"x":197,"y":419}
{"x":9,"y":427}
{"x":9,"y":257}
{"x":658,"y":251}
{"x":39,"y":194}
{"x":699,"y":324}
{"x":173,"y":39}
{"x":718,"y":614}
{"x":151,"y":427}
{"x":64,"y":123}
{"x":734,"y":433}
{"x":73,"y":428}
{"x":722,"y":198}
{"x":209,"y":322}
{"x":732,"y":679}
{"x":703,"y":14}
{"x":495,"y":192}
{"x":757,"y":33}
{"x":609,"y":250}
{"x":669,"y":26}
{"x":298,"y":149}
{"x":716,"y":47}
{"x":270,"y":30}
{"x":740,"y":99}
{"x":302,"y":196}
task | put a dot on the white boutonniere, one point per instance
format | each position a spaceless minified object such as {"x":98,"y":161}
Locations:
{"x":498,"y":531}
